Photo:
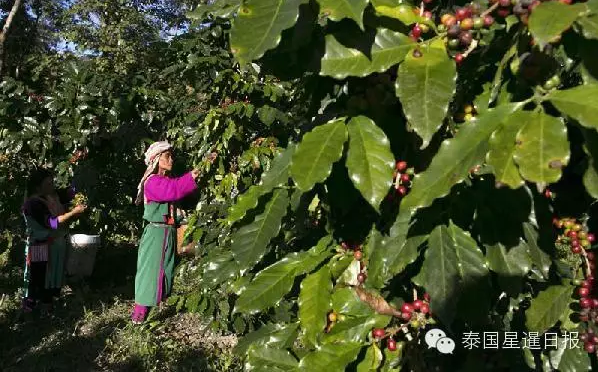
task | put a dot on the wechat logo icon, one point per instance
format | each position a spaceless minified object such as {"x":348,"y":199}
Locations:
{"x":436,"y":338}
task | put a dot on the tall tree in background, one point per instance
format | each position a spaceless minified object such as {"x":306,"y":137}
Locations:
{"x":33,"y":35}
{"x":6,"y":28}
{"x":125,"y":33}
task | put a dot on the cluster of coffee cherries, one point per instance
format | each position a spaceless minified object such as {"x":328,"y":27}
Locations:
{"x":36,"y":97}
{"x":78,"y":155}
{"x":402,"y":177}
{"x":578,"y":241}
{"x":521,"y":8}
{"x":462,"y":27}
{"x":469,"y":112}
{"x":228,"y":101}
{"x":574,"y":235}
{"x":589,"y":307}
{"x":79,"y":199}
{"x":590,"y":340}
{"x":419,"y":28}
{"x":332,"y":318}
{"x":380,"y":333}
{"x":357,"y":253}
{"x":416,"y":312}
{"x":585,"y":290}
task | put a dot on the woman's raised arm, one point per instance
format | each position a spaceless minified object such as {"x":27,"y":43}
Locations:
{"x":164,"y":189}
{"x":39,"y":212}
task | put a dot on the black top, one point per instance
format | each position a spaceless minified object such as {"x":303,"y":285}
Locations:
{"x":38,"y":210}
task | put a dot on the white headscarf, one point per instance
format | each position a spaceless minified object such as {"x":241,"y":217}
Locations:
{"x":152,"y":158}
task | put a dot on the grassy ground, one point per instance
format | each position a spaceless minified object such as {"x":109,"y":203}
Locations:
{"x":90,"y":329}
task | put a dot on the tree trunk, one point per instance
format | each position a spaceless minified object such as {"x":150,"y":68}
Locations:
{"x":5,"y":29}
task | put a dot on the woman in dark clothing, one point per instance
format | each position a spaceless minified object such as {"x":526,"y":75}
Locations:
{"x":45,"y":249}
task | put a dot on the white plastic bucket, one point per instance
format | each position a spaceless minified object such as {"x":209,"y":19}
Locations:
{"x":82,"y":254}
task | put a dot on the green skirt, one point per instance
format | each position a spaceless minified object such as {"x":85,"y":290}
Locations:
{"x":56,"y":263}
{"x":155,"y":264}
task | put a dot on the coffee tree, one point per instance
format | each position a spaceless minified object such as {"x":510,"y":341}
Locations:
{"x":445,"y":181}
{"x":241,"y":118}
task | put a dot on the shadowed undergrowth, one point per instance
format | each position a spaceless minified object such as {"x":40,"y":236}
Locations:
{"x":90,"y":329}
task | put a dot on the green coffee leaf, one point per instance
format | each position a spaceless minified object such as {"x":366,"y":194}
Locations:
{"x":355,"y":329}
{"x":425,"y":85}
{"x":223,"y":8}
{"x":314,"y":303}
{"x":372,"y":360}
{"x":392,"y":359}
{"x":590,"y":147}
{"x":249,"y":243}
{"x":548,"y":307}
{"x":389,"y":3}
{"x":510,"y":264}
{"x":539,"y":258}
{"x":268,"y":287}
{"x":267,"y":114}
{"x":545,"y":26}
{"x":569,"y":320}
{"x":573,"y":358}
{"x":261,"y":358}
{"x":255,"y":337}
{"x":590,"y":179}
{"x":455,"y":158}
{"x":578,"y":103}
{"x":246,"y":202}
{"x":339,"y":265}
{"x":390,"y":255}
{"x":279,"y":336}
{"x":336,"y":10}
{"x":542,"y":148}
{"x":258,"y":26}
{"x":404,"y":13}
{"x":345,"y":301}
{"x":221,"y":268}
{"x":500,"y":155}
{"x":369,"y":160}
{"x":277,"y":175}
{"x":589,"y":26}
{"x":317,"y":152}
{"x":349,"y":276}
{"x":388,"y":49}
{"x":514,"y":261}
{"x":311,"y":258}
{"x":452,"y":262}
{"x":330,"y":357}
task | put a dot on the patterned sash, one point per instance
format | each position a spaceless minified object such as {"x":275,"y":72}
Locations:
{"x":38,"y":252}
